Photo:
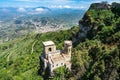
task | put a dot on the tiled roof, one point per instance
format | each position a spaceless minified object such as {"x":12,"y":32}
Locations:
{"x":55,"y":58}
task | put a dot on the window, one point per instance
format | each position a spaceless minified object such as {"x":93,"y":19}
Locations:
{"x":49,"y":49}
{"x":61,"y":63}
{"x":56,"y":64}
{"x":69,"y":50}
{"x":53,"y":66}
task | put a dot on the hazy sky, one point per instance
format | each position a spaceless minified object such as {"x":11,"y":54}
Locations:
{"x":80,"y":4}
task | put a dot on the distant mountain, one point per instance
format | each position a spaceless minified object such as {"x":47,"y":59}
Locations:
{"x":21,"y":9}
{"x":12,"y":12}
{"x":21,"y":21}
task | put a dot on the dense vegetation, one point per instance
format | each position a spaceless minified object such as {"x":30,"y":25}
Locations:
{"x":19,"y":59}
{"x":99,"y":54}
{"x":96,"y":58}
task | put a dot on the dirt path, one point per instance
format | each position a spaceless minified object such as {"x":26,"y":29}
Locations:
{"x":33,"y":47}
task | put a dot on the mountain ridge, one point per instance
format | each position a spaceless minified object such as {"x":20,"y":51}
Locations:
{"x":15,"y":25}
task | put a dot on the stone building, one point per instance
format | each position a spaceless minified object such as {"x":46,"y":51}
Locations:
{"x":52,"y":58}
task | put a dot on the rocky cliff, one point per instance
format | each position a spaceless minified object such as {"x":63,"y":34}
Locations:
{"x":97,"y":16}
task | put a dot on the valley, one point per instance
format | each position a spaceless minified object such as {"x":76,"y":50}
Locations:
{"x":23,"y":23}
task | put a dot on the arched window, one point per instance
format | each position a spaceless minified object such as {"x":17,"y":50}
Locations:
{"x":49,"y":49}
{"x":61,"y":63}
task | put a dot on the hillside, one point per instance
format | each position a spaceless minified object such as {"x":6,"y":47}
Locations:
{"x":100,"y":50}
{"x":95,"y":55}
{"x":19,"y":59}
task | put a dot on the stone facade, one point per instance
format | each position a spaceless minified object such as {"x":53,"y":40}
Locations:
{"x":53,"y":58}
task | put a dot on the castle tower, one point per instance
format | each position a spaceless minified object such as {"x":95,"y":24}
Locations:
{"x":49,"y":47}
{"x":52,"y":58}
{"x":68,"y":47}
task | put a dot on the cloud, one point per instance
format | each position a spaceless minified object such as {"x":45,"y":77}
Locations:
{"x":42,"y":0}
{"x":60,"y":6}
{"x":28,"y":0}
{"x":66,"y":6}
{"x":39,"y":9}
{"x":52,"y":3}
{"x":21,"y":9}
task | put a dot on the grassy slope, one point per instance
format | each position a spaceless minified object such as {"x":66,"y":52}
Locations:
{"x":19,"y":59}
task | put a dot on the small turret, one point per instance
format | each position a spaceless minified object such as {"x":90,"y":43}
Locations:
{"x":67,"y":47}
{"x":49,"y":47}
